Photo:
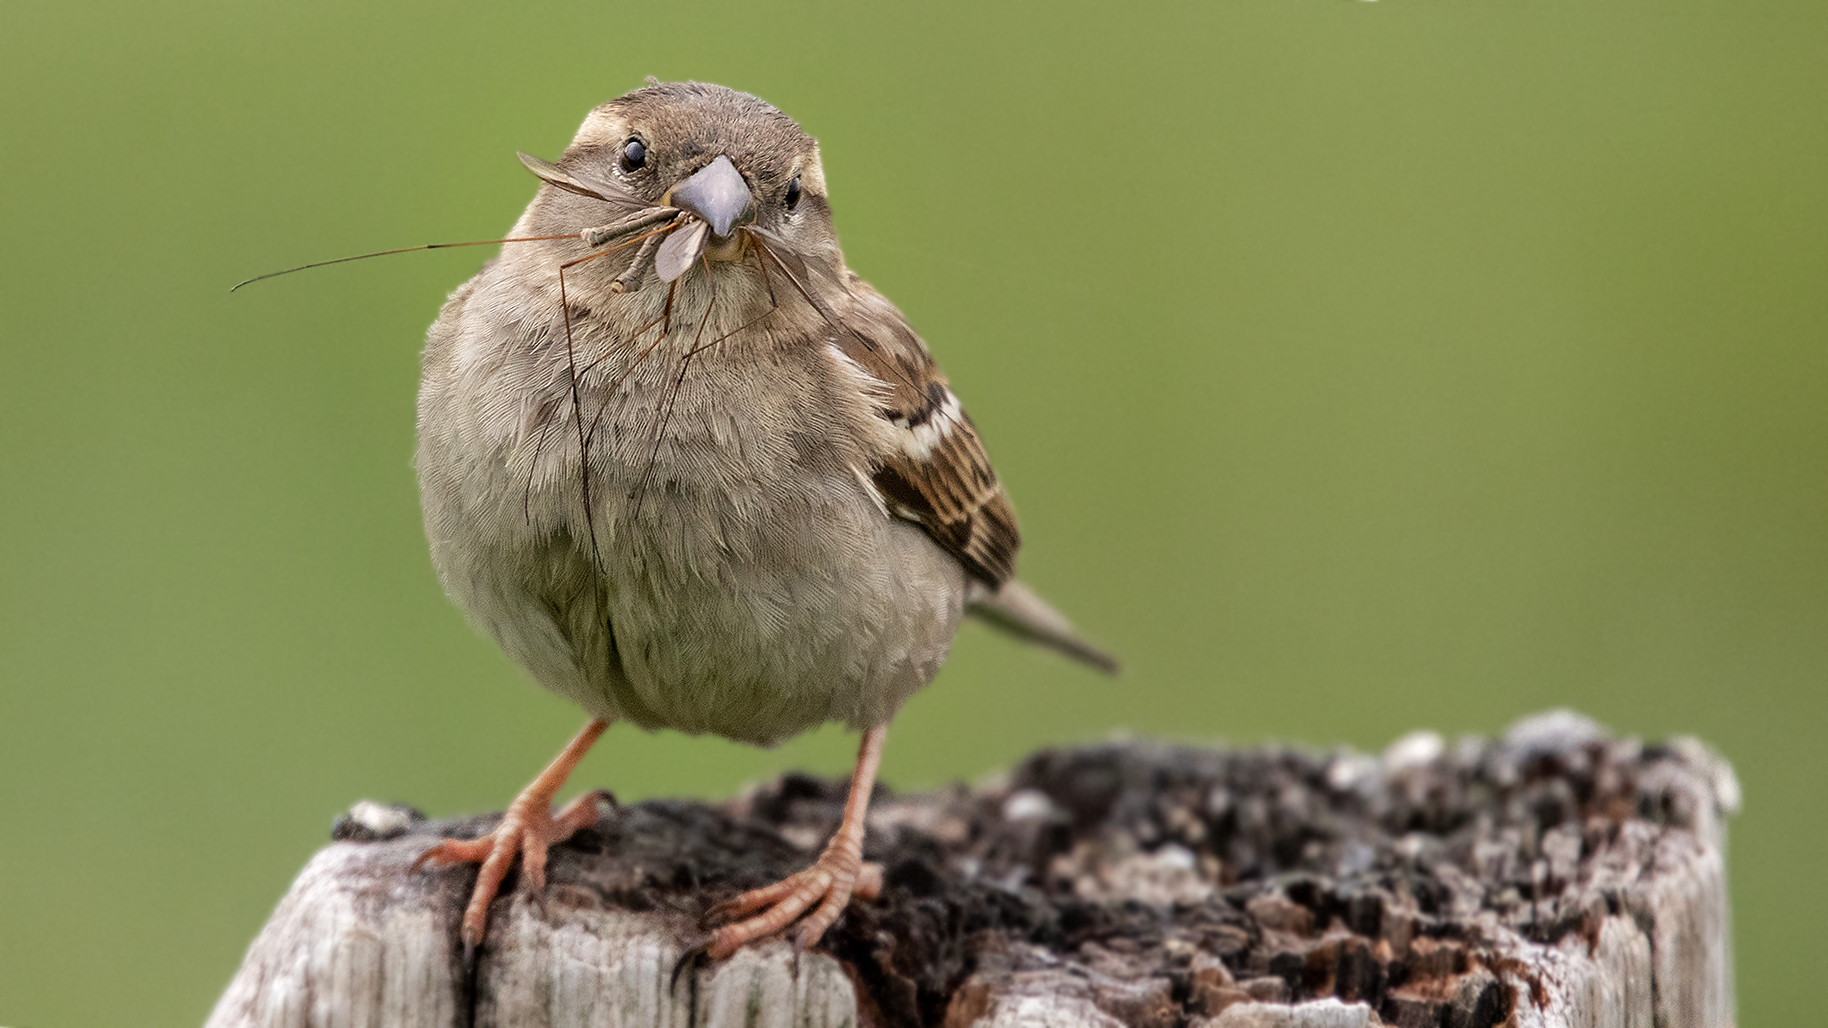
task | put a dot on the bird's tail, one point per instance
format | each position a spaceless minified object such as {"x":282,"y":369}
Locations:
{"x":1017,"y":610}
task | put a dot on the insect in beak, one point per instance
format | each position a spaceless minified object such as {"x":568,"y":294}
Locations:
{"x":717,"y":201}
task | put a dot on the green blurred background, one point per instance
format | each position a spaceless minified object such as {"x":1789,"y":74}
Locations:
{"x":1355,"y":367}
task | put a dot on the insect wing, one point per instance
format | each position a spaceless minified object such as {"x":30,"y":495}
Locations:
{"x":582,"y":184}
{"x":680,"y":249}
{"x":555,"y":175}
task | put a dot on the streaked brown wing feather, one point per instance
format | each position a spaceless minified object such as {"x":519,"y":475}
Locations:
{"x":941,"y":479}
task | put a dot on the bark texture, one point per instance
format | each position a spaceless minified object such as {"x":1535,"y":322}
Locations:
{"x":1554,"y":876}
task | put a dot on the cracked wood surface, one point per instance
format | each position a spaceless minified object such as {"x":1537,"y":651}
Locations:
{"x":1555,"y":876}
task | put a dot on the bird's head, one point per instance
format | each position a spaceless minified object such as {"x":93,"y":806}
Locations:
{"x":727,"y":165}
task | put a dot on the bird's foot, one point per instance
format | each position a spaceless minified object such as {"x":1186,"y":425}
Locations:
{"x":528,"y":829}
{"x":831,"y":882}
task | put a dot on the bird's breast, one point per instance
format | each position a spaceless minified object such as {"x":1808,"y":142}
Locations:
{"x":709,"y":486}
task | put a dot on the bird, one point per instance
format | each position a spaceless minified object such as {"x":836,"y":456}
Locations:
{"x":691,"y":472}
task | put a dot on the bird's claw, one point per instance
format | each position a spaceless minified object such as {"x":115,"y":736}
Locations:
{"x":529,"y":829}
{"x":824,"y":889}
{"x":694,"y":957}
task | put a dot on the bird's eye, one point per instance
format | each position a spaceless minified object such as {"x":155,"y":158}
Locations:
{"x":634,"y":155}
{"x":793,"y":193}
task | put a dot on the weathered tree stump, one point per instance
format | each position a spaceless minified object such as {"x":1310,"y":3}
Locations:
{"x":1556,"y":876}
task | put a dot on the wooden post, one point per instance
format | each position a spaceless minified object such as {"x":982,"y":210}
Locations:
{"x":1555,"y":876}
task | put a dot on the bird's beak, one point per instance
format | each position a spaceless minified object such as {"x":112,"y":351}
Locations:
{"x":716,"y":193}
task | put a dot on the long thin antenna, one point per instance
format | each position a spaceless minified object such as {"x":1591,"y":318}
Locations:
{"x":388,"y":253}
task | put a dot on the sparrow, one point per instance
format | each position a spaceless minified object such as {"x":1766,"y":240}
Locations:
{"x":692,"y":472}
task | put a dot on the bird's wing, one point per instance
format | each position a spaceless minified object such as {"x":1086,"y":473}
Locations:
{"x":935,"y":473}
{"x":940,"y":478}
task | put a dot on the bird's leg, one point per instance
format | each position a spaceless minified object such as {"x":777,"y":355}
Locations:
{"x":528,"y":828}
{"x":830,"y":882}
